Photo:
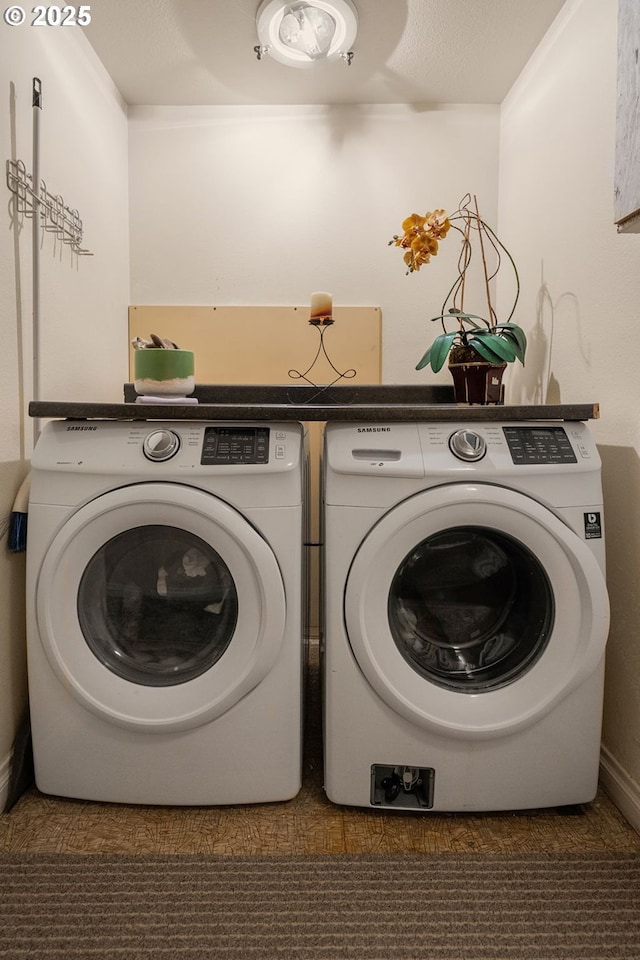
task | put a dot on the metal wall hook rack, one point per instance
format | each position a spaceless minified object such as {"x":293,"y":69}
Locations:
{"x":55,"y":216}
{"x":322,"y":390}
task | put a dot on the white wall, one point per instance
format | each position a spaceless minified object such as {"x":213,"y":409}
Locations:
{"x":83,"y":158}
{"x":83,"y":136}
{"x":263,"y":205}
{"x":581,"y":303}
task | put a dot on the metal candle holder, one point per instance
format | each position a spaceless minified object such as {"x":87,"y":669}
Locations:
{"x":322,"y":325}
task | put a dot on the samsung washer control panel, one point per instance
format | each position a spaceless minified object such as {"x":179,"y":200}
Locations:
{"x":236,"y":444}
{"x":548,"y":444}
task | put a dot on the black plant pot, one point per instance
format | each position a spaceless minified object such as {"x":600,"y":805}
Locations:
{"x":479,"y":382}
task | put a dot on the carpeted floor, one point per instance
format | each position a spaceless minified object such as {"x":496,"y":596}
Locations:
{"x":307,"y":880}
{"x":471,"y":907}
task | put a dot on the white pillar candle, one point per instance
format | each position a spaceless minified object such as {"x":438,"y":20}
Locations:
{"x":321,"y":309}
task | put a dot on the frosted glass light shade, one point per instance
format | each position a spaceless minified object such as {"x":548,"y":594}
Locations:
{"x":308,"y":29}
{"x":306,"y":32}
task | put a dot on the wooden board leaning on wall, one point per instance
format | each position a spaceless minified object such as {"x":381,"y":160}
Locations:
{"x":262,"y":344}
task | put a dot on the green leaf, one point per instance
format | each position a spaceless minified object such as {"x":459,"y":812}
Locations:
{"x":424,"y":360}
{"x":466,"y":316}
{"x":492,"y":348}
{"x":484,"y":351}
{"x":515,"y":332}
{"x":504,"y":348}
{"x":514,"y":343}
{"x":439,"y":350}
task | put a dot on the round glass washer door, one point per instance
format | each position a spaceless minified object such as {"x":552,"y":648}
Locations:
{"x":472,"y":609}
{"x":159,"y":606}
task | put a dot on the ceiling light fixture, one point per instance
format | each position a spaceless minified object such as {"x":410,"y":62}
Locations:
{"x":306,"y":32}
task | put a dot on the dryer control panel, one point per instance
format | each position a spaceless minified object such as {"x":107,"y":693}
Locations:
{"x":539,"y":444}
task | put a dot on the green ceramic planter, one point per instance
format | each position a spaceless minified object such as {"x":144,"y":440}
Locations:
{"x":163,"y":373}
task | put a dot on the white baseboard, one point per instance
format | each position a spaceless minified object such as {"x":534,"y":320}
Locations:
{"x":620,"y":787}
{"x":5,"y":776}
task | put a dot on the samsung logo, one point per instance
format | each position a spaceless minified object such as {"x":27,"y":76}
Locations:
{"x":83,"y":426}
{"x":374,"y":429}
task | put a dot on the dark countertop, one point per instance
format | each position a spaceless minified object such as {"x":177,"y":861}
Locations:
{"x":262,"y":402}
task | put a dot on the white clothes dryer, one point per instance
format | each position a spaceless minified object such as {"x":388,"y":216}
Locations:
{"x":165,"y":611}
{"x":465,"y":615}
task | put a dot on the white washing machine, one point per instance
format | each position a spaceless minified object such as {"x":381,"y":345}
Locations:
{"x":165,"y":611}
{"x":466,"y":615}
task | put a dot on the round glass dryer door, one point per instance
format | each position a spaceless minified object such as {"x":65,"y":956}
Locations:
{"x":159,"y":606}
{"x":473,"y":609}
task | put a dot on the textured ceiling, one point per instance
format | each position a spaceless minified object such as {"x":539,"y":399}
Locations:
{"x":186,"y":52}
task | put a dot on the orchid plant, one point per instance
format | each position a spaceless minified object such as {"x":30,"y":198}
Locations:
{"x":475,"y":338}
